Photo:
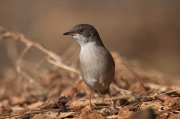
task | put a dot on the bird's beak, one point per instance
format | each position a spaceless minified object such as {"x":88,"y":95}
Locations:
{"x":68,"y":33}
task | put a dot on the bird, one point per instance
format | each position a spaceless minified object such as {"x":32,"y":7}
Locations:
{"x":97,"y":66}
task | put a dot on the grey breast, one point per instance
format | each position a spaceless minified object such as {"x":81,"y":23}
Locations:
{"x":96,"y":66}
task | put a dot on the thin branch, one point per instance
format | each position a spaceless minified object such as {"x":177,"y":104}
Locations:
{"x":169,"y":91}
{"x":18,"y":68}
{"x":24,"y":74}
{"x":63,"y":66}
{"x":71,"y":49}
{"x":33,"y":112}
{"x":136,"y":77}
{"x":54,"y":58}
{"x":42,"y":60}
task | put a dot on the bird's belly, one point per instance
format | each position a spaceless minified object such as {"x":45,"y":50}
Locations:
{"x":96,"y":67}
{"x":94,"y":83}
{"x":96,"y":75}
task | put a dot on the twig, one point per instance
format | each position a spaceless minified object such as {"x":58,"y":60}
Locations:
{"x":12,"y":51}
{"x":72,"y":48}
{"x":106,"y":101}
{"x":63,"y":66}
{"x":136,"y":77}
{"x":112,"y":117}
{"x":33,"y":112}
{"x":24,"y":74}
{"x":42,"y":60}
{"x":55,"y":59}
{"x":18,"y":68}
{"x":120,"y":89}
{"x":169,"y":91}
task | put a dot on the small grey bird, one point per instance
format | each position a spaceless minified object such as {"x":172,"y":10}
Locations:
{"x":97,"y":66}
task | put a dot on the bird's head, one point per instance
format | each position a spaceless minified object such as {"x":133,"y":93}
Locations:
{"x":85,"y":33}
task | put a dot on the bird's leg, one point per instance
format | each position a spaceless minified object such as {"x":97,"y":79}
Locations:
{"x":90,"y":105}
{"x":111,"y":100}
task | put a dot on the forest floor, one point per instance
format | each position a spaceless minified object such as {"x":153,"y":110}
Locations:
{"x":48,"y":93}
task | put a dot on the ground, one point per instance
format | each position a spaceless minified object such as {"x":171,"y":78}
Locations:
{"x":55,"y":91}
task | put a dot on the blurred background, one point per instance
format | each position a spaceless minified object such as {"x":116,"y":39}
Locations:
{"x":146,"y":31}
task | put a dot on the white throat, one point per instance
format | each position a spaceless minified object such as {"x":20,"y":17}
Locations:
{"x":80,"y":39}
{"x":88,"y":50}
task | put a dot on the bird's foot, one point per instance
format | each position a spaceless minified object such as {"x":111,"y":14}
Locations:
{"x":114,"y":110}
{"x":113,"y":106}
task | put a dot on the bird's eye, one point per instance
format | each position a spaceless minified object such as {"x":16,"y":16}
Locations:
{"x":81,"y":30}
